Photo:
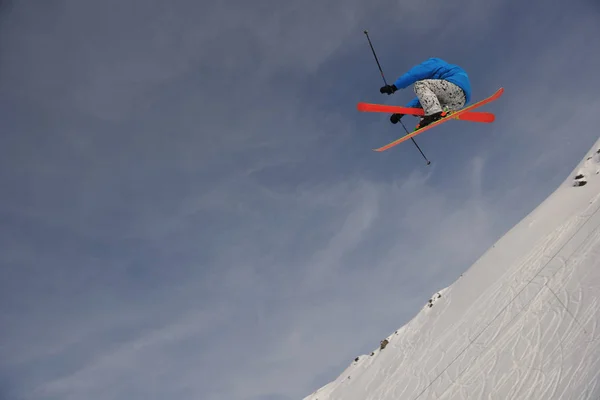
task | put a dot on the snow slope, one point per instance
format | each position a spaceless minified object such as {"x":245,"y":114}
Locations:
{"x":521,"y":323}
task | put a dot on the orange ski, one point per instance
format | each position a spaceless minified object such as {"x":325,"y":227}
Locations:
{"x":473,"y":116}
{"x":453,"y":115}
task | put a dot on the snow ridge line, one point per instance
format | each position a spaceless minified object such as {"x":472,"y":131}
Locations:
{"x":516,"y":296}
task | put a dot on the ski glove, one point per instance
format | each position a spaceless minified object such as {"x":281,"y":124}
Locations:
{"x":389,"y":89}
{"x":394,"y":118}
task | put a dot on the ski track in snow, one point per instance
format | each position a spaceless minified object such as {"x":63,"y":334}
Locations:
{"x":521,"y":323}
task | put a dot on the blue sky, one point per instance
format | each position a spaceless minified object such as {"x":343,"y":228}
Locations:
{"x":190,"y":204}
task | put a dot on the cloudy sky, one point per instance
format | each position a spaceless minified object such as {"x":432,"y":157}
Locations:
{"x":190,"y":205}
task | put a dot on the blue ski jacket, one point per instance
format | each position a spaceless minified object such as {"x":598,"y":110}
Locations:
{"x":435,"y":68}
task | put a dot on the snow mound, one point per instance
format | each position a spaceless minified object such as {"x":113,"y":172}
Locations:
{"x":520,"y":323}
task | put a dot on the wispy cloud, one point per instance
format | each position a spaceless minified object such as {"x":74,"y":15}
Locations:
{"x":190,"y":199}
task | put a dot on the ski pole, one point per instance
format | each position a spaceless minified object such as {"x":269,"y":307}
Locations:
{"x":385,"y":82}
{"x":375,"y":55}
{"x":421,"y":151}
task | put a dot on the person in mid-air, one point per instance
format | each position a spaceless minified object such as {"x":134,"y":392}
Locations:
{"x":440,"y":87}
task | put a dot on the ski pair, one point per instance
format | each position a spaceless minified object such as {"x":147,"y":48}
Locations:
{"x":465,"y":112}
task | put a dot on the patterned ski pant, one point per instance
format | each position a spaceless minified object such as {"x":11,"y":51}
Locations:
{"x":437,"y":94}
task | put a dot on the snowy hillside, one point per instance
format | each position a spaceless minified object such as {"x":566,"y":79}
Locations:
{"x":520,"y":323}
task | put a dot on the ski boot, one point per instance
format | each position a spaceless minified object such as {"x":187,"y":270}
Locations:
{"x":428,"y":119}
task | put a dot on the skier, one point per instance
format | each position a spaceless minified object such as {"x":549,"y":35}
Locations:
{"x":440,"y":87}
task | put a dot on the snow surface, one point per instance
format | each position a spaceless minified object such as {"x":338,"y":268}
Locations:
{"x":520,"y":323}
